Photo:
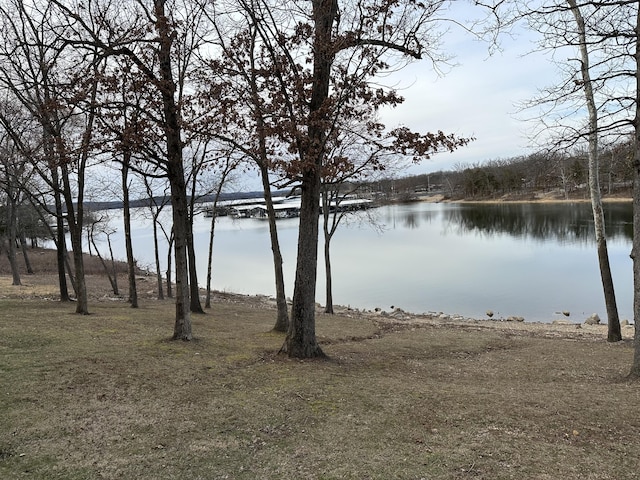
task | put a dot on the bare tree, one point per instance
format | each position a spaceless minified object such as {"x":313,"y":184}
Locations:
{"x":614,"y":332}
{"x":243,"y":73}
{"x":157,"y":200}
{"x":348,"y":43}
{"x":41,"y":73}
{"x":605,"y":34}
{"x":591,"y":30}
{"x":151,"y":36}
{"x":223,"y":168}
{"x":11,"y":173}
{"x":97,"y":226}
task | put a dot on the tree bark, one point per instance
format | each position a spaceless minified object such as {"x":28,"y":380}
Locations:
{"x":60,"y":237}
{"x":301,"y":338}
{"x":328,"y":307}
{"x":282,"y":315}
{"x":156,"y":253}
{"x":75,"y":216}
{"x":182,"y":327}
{"x":131,"y":264}
{"x":635,"y":251}
{"x":169,"y":263}
{"x":282,"y":318}
{"x":74,"y":221}
{"x":25,"y":254}
{"x":614,"y":332}
{"x":328,"y":234}
{"x":175,"y":173}
{"x":212,"y":230}
{"x":10,"y":237}
{"x":195,"y":305}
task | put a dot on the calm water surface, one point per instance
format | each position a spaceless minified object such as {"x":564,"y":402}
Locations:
{"x":530,"y":260}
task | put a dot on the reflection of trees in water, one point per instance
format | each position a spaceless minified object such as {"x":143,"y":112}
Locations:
{"x":410,"y":218}
{"x":566,"y":223}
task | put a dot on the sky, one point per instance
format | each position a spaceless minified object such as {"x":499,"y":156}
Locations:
{"x":480,"y":97}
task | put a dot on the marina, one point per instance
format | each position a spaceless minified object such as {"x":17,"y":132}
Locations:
{"x":284,"y":207}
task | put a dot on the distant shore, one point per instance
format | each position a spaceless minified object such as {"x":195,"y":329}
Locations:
{"x":538,"y":198}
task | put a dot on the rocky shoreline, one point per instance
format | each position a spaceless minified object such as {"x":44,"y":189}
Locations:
{"x":44,"y":286}
{"x":564,"y":328}
{"x":399,"y":317}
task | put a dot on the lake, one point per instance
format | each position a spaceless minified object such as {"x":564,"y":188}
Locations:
{"x":530,"y":260}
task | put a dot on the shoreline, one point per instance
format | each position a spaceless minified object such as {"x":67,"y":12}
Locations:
{"x":559,"y":328}
{"x":404,"y":319}
{"x":440,"y":198}
{"x":44,"y":289}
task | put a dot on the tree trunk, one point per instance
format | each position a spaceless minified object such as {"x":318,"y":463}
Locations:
{"x":328,"y":233}
{"x":282,"y":318}
{"x":635,"y":251}
{"x":25,"y":254}
{"x":156,"y":253}
{"x":328,"y":308}
{"x":182,"y":327}
{"x":74,"y":221}
{"x":114,"y":269}
{"x":82,"y":304}
{"x":169,"y":263}
{"x":282,"y":315}
{"x":131,"y":263}
{"x":301,"y":338}
{"x":75,"y":216}
{"x":69,"y":269}
{"x":11,"y":238}
{"x":195,"y":305}
{"x":207,"y":302}
{"x":60,"y":238}
{"x":175,"y":173}
{"x":229,"y":166}
{"x":614,"y":332}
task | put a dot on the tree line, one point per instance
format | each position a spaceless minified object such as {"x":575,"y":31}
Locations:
{"x":559,"y":175}
{"x":176,"y":97}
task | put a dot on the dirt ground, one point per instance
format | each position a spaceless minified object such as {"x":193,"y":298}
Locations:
{"x":401,"y":396}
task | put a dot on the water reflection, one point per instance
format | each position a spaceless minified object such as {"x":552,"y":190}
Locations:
{"x":529,"y":260}
{"x":562,"y":223}
{"x":409,"y":217}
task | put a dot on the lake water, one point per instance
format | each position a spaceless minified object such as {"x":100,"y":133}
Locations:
{"x":529,"y":260}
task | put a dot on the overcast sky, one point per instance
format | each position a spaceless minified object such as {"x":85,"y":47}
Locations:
{"x":480,"y":97}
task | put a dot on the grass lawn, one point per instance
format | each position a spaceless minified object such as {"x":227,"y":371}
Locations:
{"x":108,"y":396}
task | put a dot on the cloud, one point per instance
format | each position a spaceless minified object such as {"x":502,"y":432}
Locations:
{"x":479,"y":97}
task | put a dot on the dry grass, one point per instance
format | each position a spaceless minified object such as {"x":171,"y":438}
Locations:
{"x":107,"y":396}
